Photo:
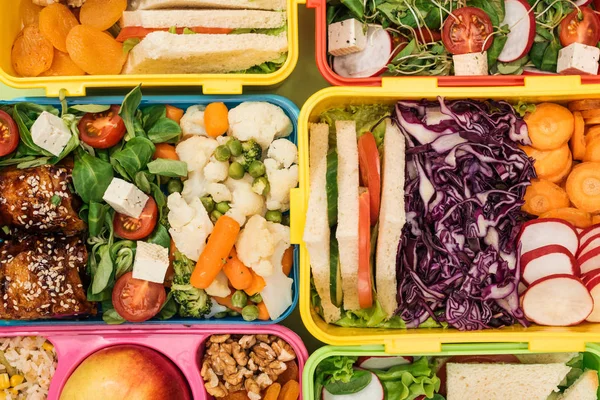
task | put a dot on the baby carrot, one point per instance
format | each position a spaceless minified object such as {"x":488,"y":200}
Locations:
{"x":164,"y":150}
{"x":216,"y":120}
{"x":214,"y":255}
{"x":238,"y":274}
{"x":174,"y":113}
{"x":263,"y":313}
{"x":288,"y":260}
{"x":258,"y":284}
{"x":550,"y":126}
{"x":227,"y":302}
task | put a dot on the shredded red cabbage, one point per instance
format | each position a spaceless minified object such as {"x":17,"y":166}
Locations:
{"x":465,"y":183}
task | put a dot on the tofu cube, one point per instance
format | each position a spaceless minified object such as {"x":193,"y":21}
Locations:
{"x":346,"y":37}
{"x":125,"y":198}
{"x":470,"y":64}
{"x":578,"y":59}
{"x":151,"y":262}
{"x":50,"y":133}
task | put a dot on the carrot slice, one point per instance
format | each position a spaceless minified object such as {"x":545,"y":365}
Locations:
{"x":550,"y":126}
{"x":578,"y":138}
{"x":238,"y":274}
{"x":583,"y":187}
{"x":258,"y":284}
{"x":591,"y":133}
{"x":579,"y":218}
{"x":288,"y":260}
{"x":583,"y":105}
{"x":543,"y":196}
{"x":164,"y":150}
{"x":263,"y":313}
{"x":562,"y":175}
{"x":548,"y":162}
{"x":595,"y":113}
{"x":595,"y":219}
{"x":592,"y":150}
{"x":174,"y":113}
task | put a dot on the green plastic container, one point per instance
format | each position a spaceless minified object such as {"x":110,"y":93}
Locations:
{"x":591,"y":357}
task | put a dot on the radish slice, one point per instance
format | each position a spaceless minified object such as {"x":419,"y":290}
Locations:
{"x":547,"y":231}
{"x":373,"y":391}
{"x":530,"y":71}
{"x":521,"y":23}
{"x":382,"y":362}
{"x":546,"y":261}
{"x":585,"y":278}
{"x":590,"y":245}
{"x":588,"y":233}
{"x":594,"y":287}
{"x":590,"y":261}
{"x":557,"y":300}
{"x":372,"y":61}
{"x":582,"y":2}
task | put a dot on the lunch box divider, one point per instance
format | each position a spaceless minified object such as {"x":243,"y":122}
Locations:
{"x":181,"y":101}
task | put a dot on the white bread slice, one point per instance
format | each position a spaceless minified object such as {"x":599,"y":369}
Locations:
{"x":546,"y":358}
{"x":163,"y":52}
{"x":234,"y":4}
{"x":232,"y":19}
{"x":316,"y":229}
{"x":584,"y":388}
{"x":391,"y":218}
{"x":503,"y":381}
{"x":347,"y":229}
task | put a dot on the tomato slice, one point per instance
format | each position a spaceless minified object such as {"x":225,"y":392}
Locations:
{"x":428,"y":35}
{"x":365,"y":289}
{"x":130,"y":228}
{"x":138,"y":32}
{"x":466,"y":30}
{"x":370,"y":171}
{"x":9,"y":134}
{"x":102,"y":130}
{"x":474,"y":359}
{"x":580,"y":26}
{"x":137,"y":300}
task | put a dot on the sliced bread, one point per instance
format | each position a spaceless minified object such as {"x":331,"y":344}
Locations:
{"x":232,"y":19}
{"x":584,"y":388}
{"x":236,"y":4}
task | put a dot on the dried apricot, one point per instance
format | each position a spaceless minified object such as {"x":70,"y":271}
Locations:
{"x":31,"y":53}
{"x":56,"y":21}
{"x":102,"y":14}
{"x":290,"y":391}
{"x":94,"y":51}
{"x":62,"y":65}
{"x":290,"y":373}
{"x":30,"y":13}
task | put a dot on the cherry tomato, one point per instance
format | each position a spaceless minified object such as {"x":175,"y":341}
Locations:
{"x":137,"y":300}
{"x":428,"y":35}
{"x":466,"y":30}
{"x":365,"y":290}
{"x":9,"y":134}
{"x":580,"y":26}
{"x":370,"y":172}
{"x":136,"y":228}
{"x":138,"y":32}
{"x":102,"y":130}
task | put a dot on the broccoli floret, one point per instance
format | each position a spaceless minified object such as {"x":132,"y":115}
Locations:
{"x":251,"y":151}
{"x":194,"y":302}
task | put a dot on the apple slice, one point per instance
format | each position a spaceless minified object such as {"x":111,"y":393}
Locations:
{"x":372,"y":61}
{"x":547,"y":231}
{"x":546,"y":261}
{"x":590,"y":261}
{"x":384,"y":362}
{"x":521,"y":21}
{"x":590,"y":245}
{"x":588,"y":234}
{"x":558,"y":300}
{"x":373,"y":391}
{"x":593,"y":285}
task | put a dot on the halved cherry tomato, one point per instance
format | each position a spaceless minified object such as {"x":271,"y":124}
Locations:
{"x":365,"y":290}
{"x":137,"y":300}
{"x":102,"y":130}
{"x":136,"y":228}
{"x":580,"y":26}
{"x":165,"y":150}
{"x":138,"y":32}
{"x":466,"y":30}
{"x":9,"y":134}
{"x":370,"y":172}
{"x":425,"y":35}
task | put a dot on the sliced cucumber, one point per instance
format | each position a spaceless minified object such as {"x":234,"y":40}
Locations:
{"x":335,"y":272}
{"x":332,"y":187}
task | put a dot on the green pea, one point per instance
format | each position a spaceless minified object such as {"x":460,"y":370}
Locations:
{"x":208,"y":203}
{"x":236,"y":170}
{"x":273,"y":216}
{"x":261,"y":186}
{"x":250,"y":313}
{"x":256,"y":298}
{"x":222,"y":207}
{"x":174,"y":186}
{"x":235,"y":147}
{"x":239,"y":299}
{"x":215,"y":215}
{"x":220,"y":315}
{"x":222,"y":153}
{"x":233,"y":313}
{"x":256,"y":169}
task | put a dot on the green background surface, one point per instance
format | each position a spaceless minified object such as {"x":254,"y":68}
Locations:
{"x":303,"y":82}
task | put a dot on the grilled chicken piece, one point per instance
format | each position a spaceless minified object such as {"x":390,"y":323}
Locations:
{"x":39,"y":200}
{"x":40,"y":277}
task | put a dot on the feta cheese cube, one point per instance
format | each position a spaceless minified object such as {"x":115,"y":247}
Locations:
{"x":346,"y":37}
{"x":470,"y":64}
{"x":151,"y":262}
{"x":577,"y":58}
{"x":50,"y":133}
{"x":125,"y":198}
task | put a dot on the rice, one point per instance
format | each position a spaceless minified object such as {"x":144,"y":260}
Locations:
{"x":29,"y":358}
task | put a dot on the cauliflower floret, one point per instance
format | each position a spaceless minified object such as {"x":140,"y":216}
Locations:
{"x":284,"y":152}
{"x":190,"y":239}
{"x":216,"y":171}
{"x":219,"y":192}
{"x":215,"y":308}
{"x":277,"y":293}
{"x":192,"y":122}
{"x":196,"y":151}
{"x":236,"y":215}
{"x":256,"y":244}
{"x":180,"y":213}
{"x":223,"y":139}
{"x":219,"y":287}
{"x":281,"y":181}
{"x":244,"y":200}
{"x":260,"y":121}
{"x":263,"y":268}
{"x":194,"y":187}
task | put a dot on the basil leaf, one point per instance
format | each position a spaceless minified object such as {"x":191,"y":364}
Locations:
{"x":160,"y":236}
{"x":143,"y":182}
{"x":496,"y":48}
{"x":169,"y":308}
{"x":90,"y":108}
{"x":134,"y":156}
{"x":170,"y":168}
{"x":359,"y":380}
{"x":104,"y":271}
{"x":151,"y":115}
{"x":91,"y":177}
{"x":96,"y":215}
{"x":550,"y":60}
{"x":131,"y":102}
{"x":112,"y":317}
{"x":164,"y":130}
{"x":406,"y":51}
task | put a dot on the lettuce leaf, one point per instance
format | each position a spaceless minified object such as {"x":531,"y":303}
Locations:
{"x":264,"y":31}
{"x":267,"y":67}
{"x":577,"y":368}
{"x":409,"y":381}
{"x":368,"y":118}
{"x":373,"y":317}
{"x":338,"y":368}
